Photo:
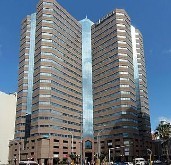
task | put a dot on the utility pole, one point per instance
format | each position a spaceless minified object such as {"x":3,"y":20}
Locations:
{"x":72,"y":143}
{"x":98,"y":142}
{"x":150,"y":154}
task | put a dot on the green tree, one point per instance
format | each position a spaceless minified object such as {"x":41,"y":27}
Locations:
{"x":73,"y":158}
{"x":56,"y":161}
{"x":64,"y":161}
{"x":163,"y":131}
{"x":102,"y":156}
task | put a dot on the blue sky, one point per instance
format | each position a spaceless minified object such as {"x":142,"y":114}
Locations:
{"x":151,"y":17}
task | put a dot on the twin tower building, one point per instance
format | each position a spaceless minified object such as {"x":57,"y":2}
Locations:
{"x":82,"y":88}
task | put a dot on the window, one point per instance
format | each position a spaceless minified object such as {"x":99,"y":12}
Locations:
{"x":88,"y":145}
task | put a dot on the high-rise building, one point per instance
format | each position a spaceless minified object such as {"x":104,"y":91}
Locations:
{"x":121,"y":114}
{"x":82,"y":88}
{"x":7,"y":123}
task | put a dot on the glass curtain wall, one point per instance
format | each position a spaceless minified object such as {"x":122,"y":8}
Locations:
{"x":87,"y":78}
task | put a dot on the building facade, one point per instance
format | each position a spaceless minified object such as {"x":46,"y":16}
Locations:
{"x":49,"y":98}
{"x":7,"y":123}
{"x":121,"y":114}
{"x":81,"y":89}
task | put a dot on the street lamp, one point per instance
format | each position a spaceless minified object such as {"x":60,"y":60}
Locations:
{"x":98,"y":141}
{"x":71,"y":141}
{"x":150,"y":153}
{"x":18,"y":149}
{"x":109,"y":153}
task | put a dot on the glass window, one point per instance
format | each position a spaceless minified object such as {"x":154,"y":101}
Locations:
{"x":88,"y":145}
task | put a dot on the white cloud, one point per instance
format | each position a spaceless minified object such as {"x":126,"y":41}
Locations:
{"x":150,"y":51}
{"x":168,"y":51}
{"x":163,"y":118}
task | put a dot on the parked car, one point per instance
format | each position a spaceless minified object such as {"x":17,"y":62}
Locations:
{"x":139,"y":161}
{"x":28,"y":163}
{"x":128,"y":163}
{"x":157,"y":162}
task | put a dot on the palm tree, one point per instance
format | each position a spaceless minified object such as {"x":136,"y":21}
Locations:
{"x":163,"y":131}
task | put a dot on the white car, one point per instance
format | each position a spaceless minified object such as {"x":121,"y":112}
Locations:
{"x":28,"y":163}
{"x":139,"y":161}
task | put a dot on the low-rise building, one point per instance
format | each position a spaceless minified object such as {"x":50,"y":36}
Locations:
{"x":7,"y":123}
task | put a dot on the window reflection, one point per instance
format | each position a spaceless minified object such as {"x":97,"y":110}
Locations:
{"x":88,"y":145}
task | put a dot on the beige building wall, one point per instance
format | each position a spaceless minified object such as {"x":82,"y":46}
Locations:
{"x":7,"y":123}
{"x":115,"y":114}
